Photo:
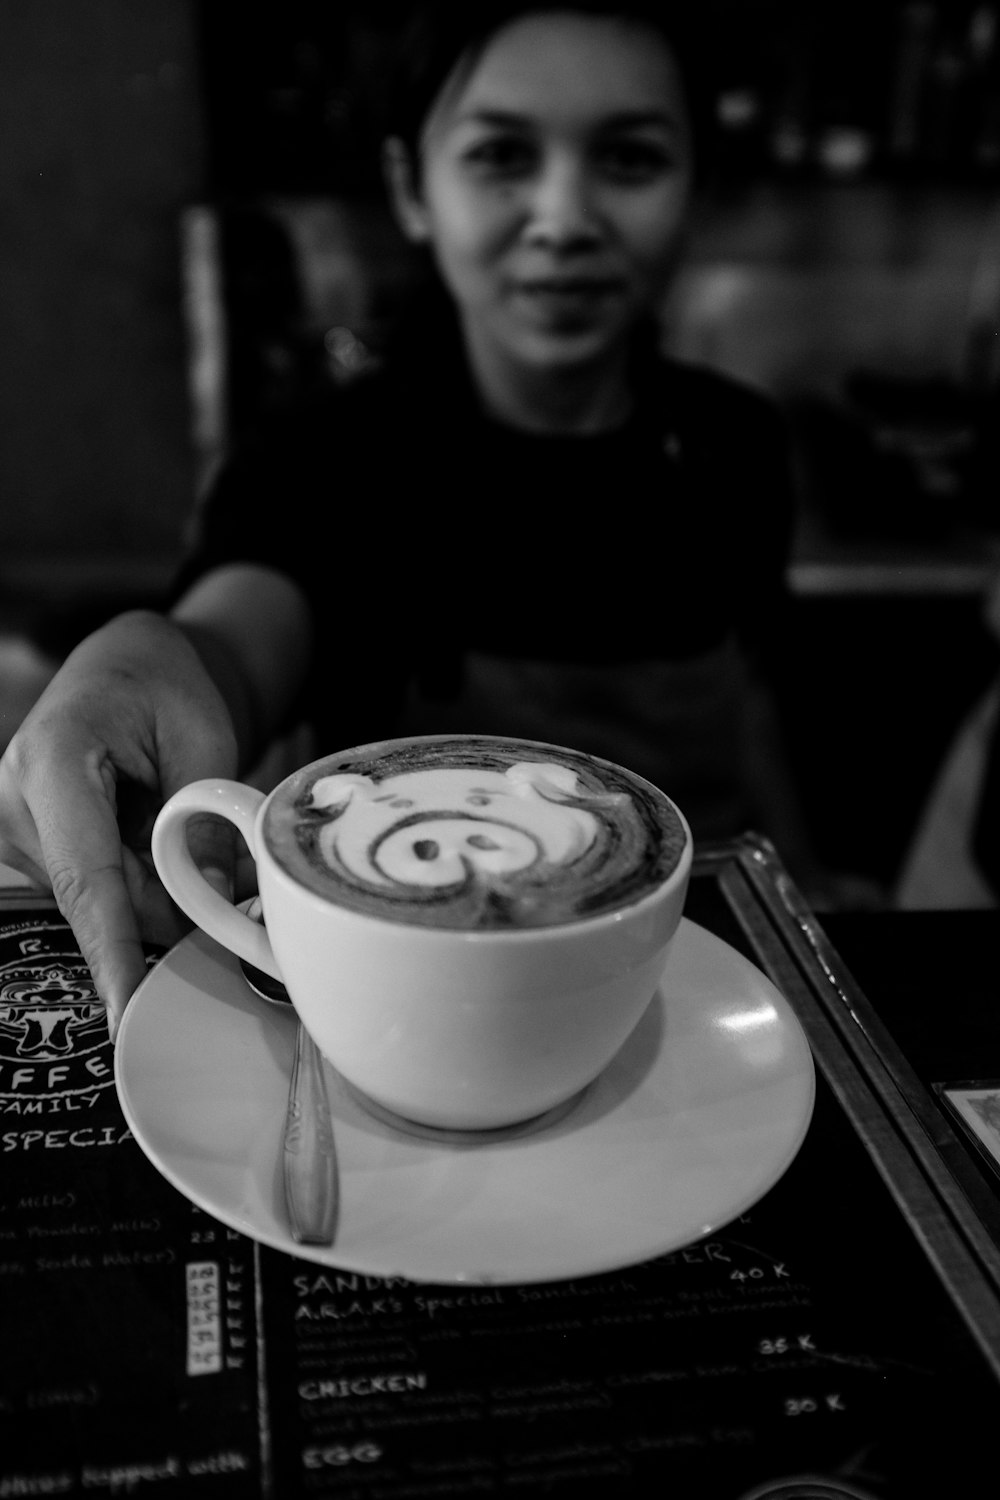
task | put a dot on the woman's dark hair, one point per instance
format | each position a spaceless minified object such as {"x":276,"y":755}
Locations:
{"x":440,"y":33}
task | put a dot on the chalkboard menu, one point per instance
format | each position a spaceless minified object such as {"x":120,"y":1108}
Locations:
{"x":841,"y":1338}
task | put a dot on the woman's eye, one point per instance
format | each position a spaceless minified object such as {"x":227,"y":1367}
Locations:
{"x":500,"y":154}
{"x":638,"y":161}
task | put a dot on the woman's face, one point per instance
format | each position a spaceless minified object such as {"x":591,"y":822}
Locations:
{"x":554,"y":187}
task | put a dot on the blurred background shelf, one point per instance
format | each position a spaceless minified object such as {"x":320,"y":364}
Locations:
{"x":194,"y":231}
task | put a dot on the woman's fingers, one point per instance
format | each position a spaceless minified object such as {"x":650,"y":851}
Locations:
{"x":131,"y":717}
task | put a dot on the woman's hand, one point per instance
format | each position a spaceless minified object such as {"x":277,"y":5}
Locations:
{"x":131,"y":717}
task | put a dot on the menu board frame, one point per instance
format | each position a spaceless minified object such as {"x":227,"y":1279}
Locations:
{"x":951,"y":1210}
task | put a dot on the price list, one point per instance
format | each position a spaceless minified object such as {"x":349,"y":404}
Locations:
{"x":147,"y":1348}
{"x":807,"y":1337}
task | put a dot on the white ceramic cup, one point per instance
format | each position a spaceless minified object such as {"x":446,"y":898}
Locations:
{"x":447,"y":1027}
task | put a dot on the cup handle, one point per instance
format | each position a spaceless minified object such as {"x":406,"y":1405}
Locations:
{"x":186,"y":884}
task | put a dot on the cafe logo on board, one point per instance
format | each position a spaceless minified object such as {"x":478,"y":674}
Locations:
{"x":53,"y":1028}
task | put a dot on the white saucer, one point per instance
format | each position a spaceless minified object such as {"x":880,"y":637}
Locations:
{"x":698,"y":1116}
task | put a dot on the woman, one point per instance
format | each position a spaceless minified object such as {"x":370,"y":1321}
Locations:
{"x":527,"y":522}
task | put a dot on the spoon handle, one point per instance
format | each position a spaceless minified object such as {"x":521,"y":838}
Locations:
{"x":310,"y":1161}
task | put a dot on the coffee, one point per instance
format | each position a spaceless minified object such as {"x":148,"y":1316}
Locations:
{"x":472,"y":832}
{"x":493,"y":915}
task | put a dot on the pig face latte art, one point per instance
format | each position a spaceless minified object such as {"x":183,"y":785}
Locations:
{"x":474,"y":833}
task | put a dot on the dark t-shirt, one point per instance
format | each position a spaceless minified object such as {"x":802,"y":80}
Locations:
{"x":420,"y":531}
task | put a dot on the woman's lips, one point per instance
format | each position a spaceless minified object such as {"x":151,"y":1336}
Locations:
{"x":576,"y":299}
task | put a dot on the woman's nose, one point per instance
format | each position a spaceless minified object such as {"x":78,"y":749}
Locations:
{"x":561,"y":211}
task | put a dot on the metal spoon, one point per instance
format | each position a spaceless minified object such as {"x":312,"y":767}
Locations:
{"x":309,"y":1157}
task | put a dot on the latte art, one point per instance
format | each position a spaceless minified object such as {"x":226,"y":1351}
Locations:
{"x":454,"y":822}
{"x":473,"y":832}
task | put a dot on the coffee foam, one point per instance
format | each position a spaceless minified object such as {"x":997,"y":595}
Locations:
{"x":474,"y":833}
